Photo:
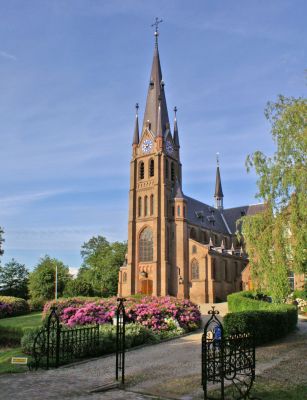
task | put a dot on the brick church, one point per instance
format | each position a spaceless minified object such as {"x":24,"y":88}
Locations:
{"x":177,"y":245}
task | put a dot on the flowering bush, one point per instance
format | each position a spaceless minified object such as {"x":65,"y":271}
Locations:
{"x":12,"y":306}
{"x":155,"y":313}
{"x":6,"y":310}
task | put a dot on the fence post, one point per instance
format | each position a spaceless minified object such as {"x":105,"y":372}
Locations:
{"x":120,"y":340}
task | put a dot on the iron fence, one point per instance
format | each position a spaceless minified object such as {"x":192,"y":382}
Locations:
{"x":56,"y":345}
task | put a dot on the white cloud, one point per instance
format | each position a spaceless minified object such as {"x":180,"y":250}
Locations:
{"x":8,"y":56}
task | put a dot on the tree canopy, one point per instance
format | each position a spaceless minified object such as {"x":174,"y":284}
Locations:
{"x":101,"y":262}
{"x":14,"y":279}
{"x":42,"y":279}
{"x":276,"y":239}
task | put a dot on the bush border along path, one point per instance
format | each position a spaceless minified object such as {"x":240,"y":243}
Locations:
{"x":265,"y":320}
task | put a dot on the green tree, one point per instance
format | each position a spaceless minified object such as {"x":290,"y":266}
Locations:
{"x":14,"y":279}
{"x":276,"y":240}
{"x":101,"y":262}
{"x":42,"y":279}
{"x":78,"y":287}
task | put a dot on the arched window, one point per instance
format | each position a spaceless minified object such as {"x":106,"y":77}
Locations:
{"x":194,"y":249}
{"x":140,"y":206}
{"x":193,"y":233}
{"x":194,"y":269}
{"x":151,"y":168}
{"x":213,"y":268}
{"x":172,"y":171}
{"x":166,"y":168}
{"x":146,"y":245}
{"x":125,"y":277}
{"x":178,"y":211}
{"x":141,"y":170}
{"x":145,"y":206}
{"x":151,"y":204}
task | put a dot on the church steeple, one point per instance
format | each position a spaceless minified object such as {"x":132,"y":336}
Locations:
{"x":176,"y":135}
{"x":156,"y":92}
{"x":136,"y":137}
{"x":218,"y":194}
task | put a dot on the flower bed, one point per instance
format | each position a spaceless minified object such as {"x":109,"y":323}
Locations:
{"x":154,"y":313}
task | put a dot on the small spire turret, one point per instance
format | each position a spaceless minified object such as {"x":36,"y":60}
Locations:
{"x":176,"y":135}
{"x":218,"y":194}
{"x":177,"y":190}
{"x":136,"y":136}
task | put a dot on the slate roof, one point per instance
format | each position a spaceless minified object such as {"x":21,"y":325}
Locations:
{"x":203,"y":215}
{"x":233,"y":214}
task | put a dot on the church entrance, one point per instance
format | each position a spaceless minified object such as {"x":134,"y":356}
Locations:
{"x":146,"y":287}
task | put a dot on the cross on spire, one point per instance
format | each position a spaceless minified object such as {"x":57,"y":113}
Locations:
{"x":217,"y":158}
{"x":156,"y":25}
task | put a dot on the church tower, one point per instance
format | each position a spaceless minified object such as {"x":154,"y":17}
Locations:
{"x":155,"y":170}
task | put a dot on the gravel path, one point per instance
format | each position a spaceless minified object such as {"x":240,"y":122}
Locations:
{"x":170,"y":370}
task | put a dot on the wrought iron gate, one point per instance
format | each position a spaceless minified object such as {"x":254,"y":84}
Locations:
{"x":227,"y":359}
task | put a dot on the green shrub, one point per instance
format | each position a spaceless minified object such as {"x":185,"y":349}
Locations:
{"x":36,"y":304}
{"x":245,"y":301}
{"x":27,"y":340}
{"x":17,"y":305}
{"x":264,"y":325}
{"x":136,"y":335}
{"x":267,"y":321}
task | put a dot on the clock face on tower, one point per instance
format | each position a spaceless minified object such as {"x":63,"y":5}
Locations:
{"x":147,"y":146}
{"x":169,"y":147}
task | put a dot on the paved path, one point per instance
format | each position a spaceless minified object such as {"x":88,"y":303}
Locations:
{"x":170,"y":370}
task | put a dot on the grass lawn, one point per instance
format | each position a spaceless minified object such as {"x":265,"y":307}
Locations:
{"x":31,"y":320}
{"x":12,"y":329}
{"x":271,"y":389}
{"x":11,"y":332}
{"x":6,"y":355}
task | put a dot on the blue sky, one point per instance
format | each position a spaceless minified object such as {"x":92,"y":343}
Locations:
{"x":70,"y":75}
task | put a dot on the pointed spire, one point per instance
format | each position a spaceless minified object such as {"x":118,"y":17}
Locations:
{"x":218,"y":194}
{"x":136,"y":136}
{"x":156,"y":90}
{"x":177,"y":190}
{"x":176,"y":135}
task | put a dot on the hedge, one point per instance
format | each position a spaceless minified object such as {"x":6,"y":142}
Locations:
{"x":265,"y":320}
{"x":136,"y":335}
{"x":13,"y":306}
